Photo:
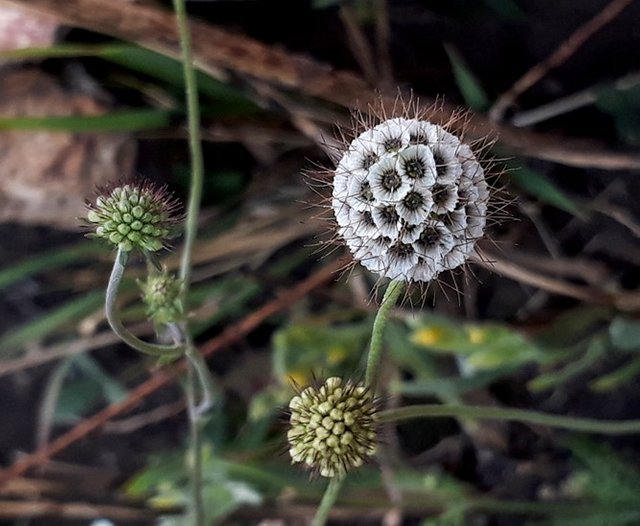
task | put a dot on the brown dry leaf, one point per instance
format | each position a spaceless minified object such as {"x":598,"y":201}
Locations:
{"x":46,"y":176}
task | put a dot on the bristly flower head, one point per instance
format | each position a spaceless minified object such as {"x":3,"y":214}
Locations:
{"x":161,"y":296}
{"x":333,"y":427}
{"x":136,"y":215}
{"x":410,"y":199}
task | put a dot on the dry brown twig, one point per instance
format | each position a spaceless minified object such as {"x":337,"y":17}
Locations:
{"x":219,"y":51}
{"x":567,"y":49}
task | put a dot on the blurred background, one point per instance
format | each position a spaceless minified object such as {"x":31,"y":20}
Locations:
{"x":91,"y":93}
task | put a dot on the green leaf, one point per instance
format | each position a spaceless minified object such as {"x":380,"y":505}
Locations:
{"x":625,"y":333}
{"x":542,"y":188}
{"x":132,"y":120}
{"x":470,"y":88}
{"x":303,"y":349}
{"x":147,"y":62}
{"x":479,"y":346}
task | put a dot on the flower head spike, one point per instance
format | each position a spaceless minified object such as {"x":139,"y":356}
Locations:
{"x":333,"y":427}
{"x":410,"y":199}
{"x":133,"y":216}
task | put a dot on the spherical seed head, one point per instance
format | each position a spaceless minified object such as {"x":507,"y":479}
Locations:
{"x":333,"y":427}
{"x":410,"y":199}
{"x":161,"y":296}
{"x":134,"y":216}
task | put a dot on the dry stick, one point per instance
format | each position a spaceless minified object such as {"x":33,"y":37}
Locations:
{"x":164,"y":377}
{"x":217,"y":50}
{"x":558,"y":57}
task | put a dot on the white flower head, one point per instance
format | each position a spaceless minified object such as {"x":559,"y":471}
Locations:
{"x":410,"y":199}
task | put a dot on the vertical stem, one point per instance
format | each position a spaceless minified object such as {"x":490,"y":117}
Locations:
{"x":195,"y":147}
{"x":328,"y":500}
{"x":195,"y":428}
{"x":196,"y":371}
{"x":389,"y":300}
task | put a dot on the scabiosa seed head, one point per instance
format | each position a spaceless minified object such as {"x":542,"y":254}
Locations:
{"x":333,"y":427}
{"x":161,"y":296}
{"x":133,"y":216}
{"x":410,"y":199}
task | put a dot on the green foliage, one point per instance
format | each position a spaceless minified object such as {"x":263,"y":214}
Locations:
{"x":304,"y":349}
{"x":542,"y":188}
{"x":606,"y":484}
{"x":132,"y":120}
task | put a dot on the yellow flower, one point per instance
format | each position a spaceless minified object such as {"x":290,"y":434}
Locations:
{"x":428,"y":336}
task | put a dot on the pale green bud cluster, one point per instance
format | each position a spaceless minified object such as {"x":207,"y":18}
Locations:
{"x":134,"y":216}
{"x":161,"y":295}
{"x":333,"y":427}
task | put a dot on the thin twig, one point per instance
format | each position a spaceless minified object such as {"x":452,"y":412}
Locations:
{"x":161,"y":378}
{"x":558,"y":57}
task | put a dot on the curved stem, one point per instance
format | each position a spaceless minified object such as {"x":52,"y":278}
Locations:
{"x":195,"y":147}
{"x":114,"y":320}
{"x":587,"y":425}
{"x":389,"y":300}
{"x":328,"y":500}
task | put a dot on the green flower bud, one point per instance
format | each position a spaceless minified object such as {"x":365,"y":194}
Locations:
{"x":161,"y":295}
{"x":327,"y":439}
{"x":134,"y":216}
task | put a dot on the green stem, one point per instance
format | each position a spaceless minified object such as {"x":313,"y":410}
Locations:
{"x":196,"y":423}
{"x":197,"y":372}
{"x":328,"y":500}
{"x":586,"y":425}
{"x":195,"y":146}
{"x":116,"y":324}
{"x":389,"y":300}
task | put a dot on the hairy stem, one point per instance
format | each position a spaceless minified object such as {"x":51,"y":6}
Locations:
{"x":327,"y":502}
{"x":586,"y":425}
{"x":389,"y":300}
{"x":116,"y":324}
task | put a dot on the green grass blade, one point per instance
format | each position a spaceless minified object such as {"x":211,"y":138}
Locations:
{"x":469,"y":86}
{"x":48,"y":261}
{"x":11,"y":342}
{"x":541,"y":187}
{"x":130,"y":120}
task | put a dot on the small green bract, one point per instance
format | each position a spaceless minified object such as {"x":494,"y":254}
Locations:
{"x":134,"y":216}
{"x":333,"y":427}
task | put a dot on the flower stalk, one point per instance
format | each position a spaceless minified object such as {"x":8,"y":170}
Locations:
{"x":584,"y":425}
{"x":197,"y":371}
{"x":159,"y":351}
